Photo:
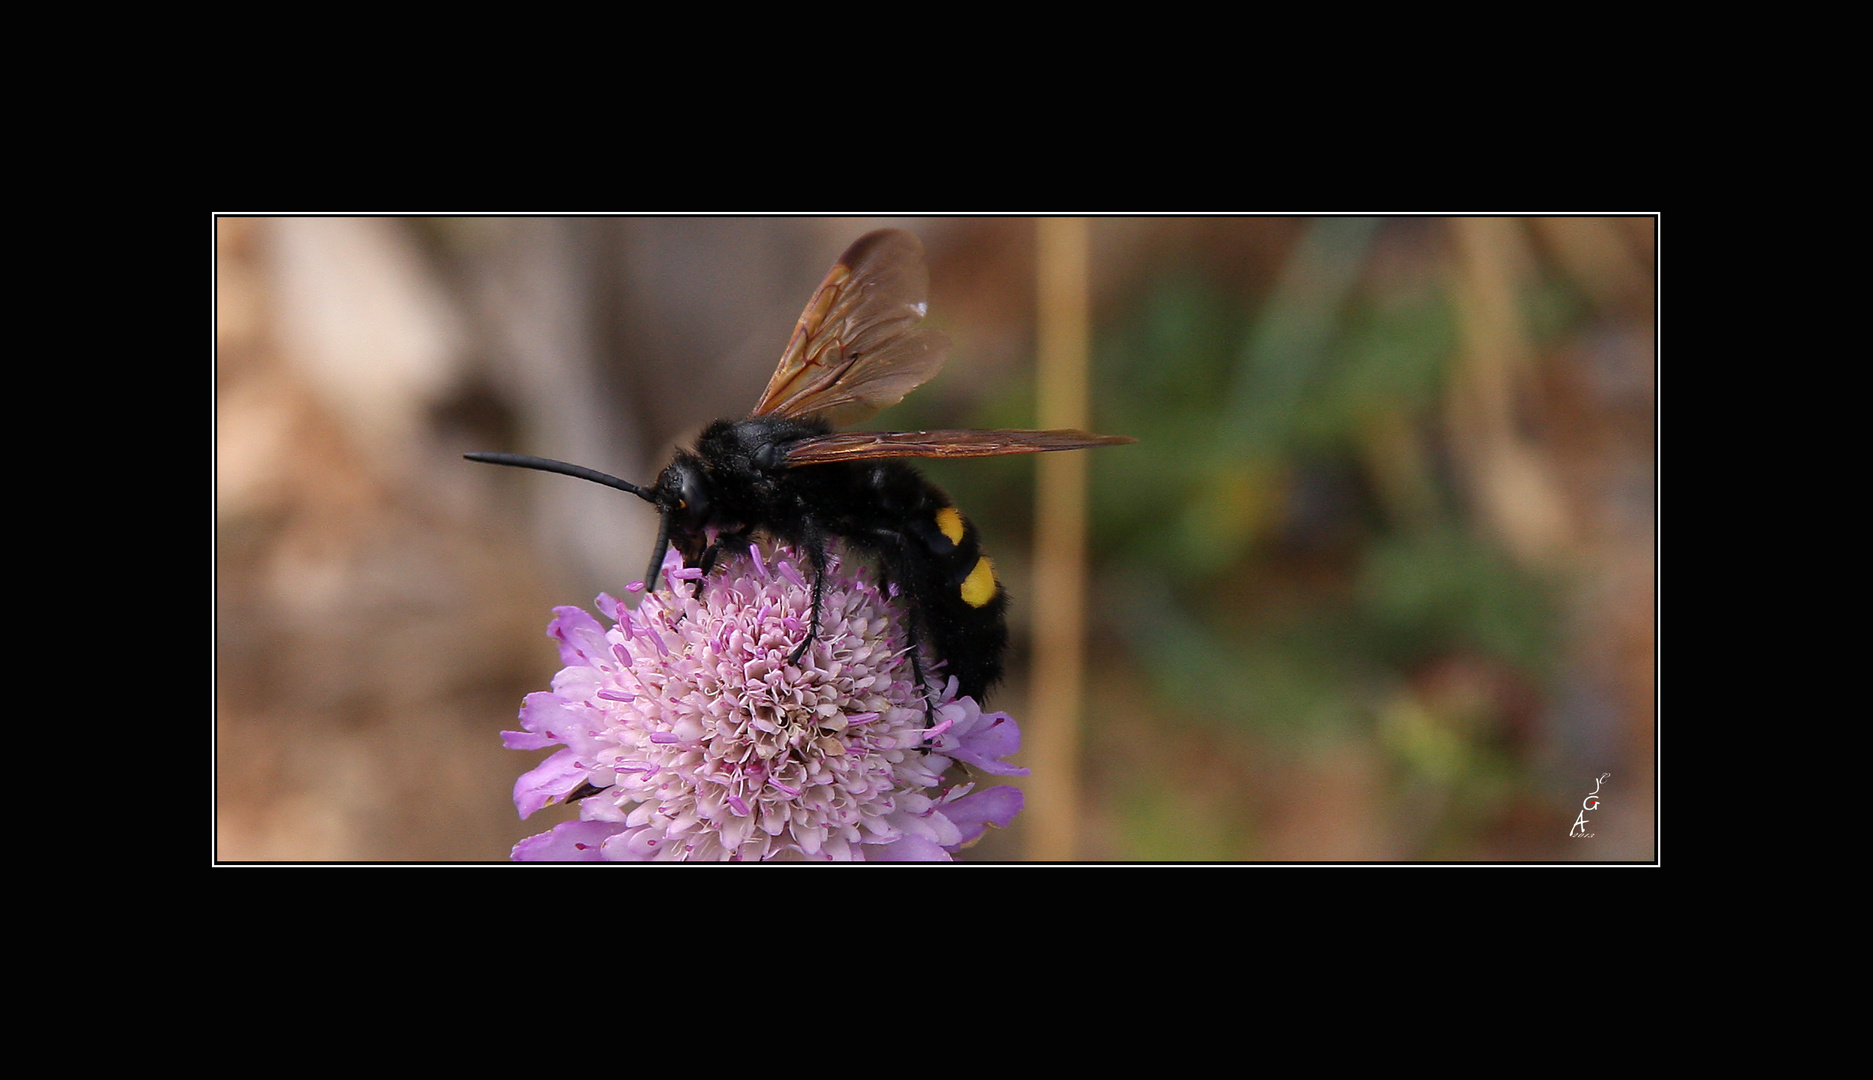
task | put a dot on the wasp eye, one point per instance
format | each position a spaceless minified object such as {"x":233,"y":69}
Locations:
{"x":695,"y":497}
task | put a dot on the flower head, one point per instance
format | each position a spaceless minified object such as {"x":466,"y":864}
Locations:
{"x":706,"y":743}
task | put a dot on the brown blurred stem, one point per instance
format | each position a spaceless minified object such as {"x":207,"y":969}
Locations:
{"x":1059,"y":542}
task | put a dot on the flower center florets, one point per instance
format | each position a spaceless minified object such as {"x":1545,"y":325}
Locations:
{"x":703,"y":739}
{"x":719,"y":712}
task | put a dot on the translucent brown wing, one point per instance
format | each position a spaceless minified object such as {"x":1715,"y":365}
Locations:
{"x":870,"y":445}
{"x":857,"y":347}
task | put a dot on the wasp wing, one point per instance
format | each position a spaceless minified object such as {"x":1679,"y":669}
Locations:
{"x":857,"y":347}
{"x":871,"y":445}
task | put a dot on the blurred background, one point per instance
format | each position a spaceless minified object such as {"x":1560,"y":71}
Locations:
{"x":1377,"y":583}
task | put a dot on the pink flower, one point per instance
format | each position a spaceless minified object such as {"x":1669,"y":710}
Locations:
{"x":686,"y":734}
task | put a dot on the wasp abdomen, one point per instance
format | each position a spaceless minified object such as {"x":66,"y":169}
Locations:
{"x":935,"y":554}
{"x":971,"y":573}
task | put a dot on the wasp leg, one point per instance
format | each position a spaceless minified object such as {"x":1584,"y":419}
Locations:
{"x":913,"y":614}
{"x":724,"y":542}
{"x":584,"y":790}
{"x":815,"y":547}
{"x":916,"y":670}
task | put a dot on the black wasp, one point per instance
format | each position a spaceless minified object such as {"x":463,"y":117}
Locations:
{"x":784,"y":471}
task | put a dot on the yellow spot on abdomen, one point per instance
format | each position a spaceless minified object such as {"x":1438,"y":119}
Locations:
{"x":979,"y":586}
{"x":951,"y":524}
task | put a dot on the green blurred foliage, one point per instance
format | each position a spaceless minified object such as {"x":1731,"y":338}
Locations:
{"x":1286,"y":553}
{"x":1285,"y":573}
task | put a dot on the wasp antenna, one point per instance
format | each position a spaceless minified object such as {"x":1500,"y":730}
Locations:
{"x":656,"y":553}
{"x":523,"y":461}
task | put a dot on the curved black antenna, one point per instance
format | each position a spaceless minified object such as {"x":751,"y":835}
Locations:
{"x":649,"y":495}
{"x":656,"y":554}
{"x":523,"y":461}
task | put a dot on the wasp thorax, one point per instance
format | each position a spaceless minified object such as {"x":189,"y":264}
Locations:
{"x":769,"y":456}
